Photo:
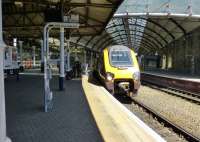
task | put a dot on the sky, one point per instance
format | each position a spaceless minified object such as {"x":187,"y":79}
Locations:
{"x":176,"y":6}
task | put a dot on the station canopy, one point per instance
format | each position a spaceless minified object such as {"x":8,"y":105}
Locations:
{"x":145,"y":27}
{"x":26,"y":18}
{"x":151,"y":31}
{"x":148,"y":27}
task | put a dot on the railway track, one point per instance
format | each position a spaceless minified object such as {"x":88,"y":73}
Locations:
{"x":161,"y":119}
{"x":167,"y":123}
{"x":193,"y":97}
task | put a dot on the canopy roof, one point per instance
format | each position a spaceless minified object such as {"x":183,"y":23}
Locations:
{"x":145,"y":32}
{"x":151,"y":31}
{"x":26,"y":18}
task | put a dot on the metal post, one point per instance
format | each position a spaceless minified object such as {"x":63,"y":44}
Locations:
{"x":85,"y":57}
{"x":91,"y":60}
{"x":3,"y":137}
{"x":62,"y":60}
{"x":42,"y":56}
{"x":68,"y":56}
{"x":85,"y":63}
{"x":44,"y":60}
{"x":33,"y":56}
{"x":192,"y":64}
{"x":76,"y":55}
{"x":21,"y":50}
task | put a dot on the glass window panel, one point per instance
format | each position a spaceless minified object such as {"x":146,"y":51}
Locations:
{"x":176,"y":6}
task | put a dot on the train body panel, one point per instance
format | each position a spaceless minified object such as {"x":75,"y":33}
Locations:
{"x":119,"y":70}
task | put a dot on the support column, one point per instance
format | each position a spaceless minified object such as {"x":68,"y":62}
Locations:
{"x":68,"y":56}
{"x":33,"y":56}
{"x":76,"y":55}
{"x":21,"y":50}
{"x":3,"y":137}
{"x":85,"y":63}
{"x":91,"y":60}
{"x":85,"y":57}
{"x":42,"y":56}
{"x":62,"y":60}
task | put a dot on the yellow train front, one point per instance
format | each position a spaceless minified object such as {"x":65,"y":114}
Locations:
{"x":118,"y":69}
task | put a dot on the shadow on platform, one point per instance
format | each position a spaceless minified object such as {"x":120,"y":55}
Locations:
{"x":69,"y":121}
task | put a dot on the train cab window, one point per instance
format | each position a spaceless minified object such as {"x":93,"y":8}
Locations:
{"x":120,"y":58}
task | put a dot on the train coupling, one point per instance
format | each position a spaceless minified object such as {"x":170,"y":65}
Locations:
{"x":124,"y":85}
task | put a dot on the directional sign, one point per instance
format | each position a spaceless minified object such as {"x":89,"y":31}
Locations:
{"x":68,"y":25}
{"x":71,"y":25}
{"x":73,"y":18}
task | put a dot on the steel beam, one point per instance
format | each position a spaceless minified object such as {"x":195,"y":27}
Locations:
{"x":127,"y":31}
{"x":146,"y":34}
{"x":149,"y":29}
{"x":146,"y":40}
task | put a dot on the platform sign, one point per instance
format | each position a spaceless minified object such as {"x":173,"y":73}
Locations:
{"x":73,"y":18}
{"x":71,"y":21}
{"x":70,"y":25}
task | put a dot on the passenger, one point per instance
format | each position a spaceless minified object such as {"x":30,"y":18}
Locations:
{"x":77,"y":69}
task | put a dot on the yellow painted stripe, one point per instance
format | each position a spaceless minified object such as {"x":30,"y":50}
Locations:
{"x":113,"y":122}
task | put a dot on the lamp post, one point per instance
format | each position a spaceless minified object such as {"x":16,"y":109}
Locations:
{"x":62,"y":60}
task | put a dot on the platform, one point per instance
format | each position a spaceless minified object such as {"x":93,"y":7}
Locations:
{"x":174,"y":75}
{"x":83,"y":112}
{"x":70,"y":120}
{"x":115,"y":122}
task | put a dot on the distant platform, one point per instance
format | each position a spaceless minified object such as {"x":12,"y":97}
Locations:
{"x":174,"y":75}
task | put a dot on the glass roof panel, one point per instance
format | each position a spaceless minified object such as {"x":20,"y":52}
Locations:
{"x":159,"y":6}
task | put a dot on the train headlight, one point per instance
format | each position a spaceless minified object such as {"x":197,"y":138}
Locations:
{"x":136,"y":75}
{"x":109,"y":76}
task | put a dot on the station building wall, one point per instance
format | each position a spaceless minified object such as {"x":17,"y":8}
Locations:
{"x":185,"y":53}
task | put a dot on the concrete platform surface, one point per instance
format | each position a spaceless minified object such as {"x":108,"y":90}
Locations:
{"x":70,"y":120}
{"x":116,"y":123}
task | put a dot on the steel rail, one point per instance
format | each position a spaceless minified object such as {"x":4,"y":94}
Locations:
{"x":176,"y":92}
{"x":188,"y":136}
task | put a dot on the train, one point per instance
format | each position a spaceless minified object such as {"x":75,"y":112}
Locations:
{"x":118,"y":70}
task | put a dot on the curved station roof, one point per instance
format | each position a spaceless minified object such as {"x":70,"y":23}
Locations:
{"x":99,"y":27}
{"x":151,"y":31}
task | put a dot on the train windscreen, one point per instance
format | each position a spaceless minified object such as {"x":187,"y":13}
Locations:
{"x":121,"y":58}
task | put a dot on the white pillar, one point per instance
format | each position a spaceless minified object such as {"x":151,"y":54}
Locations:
{"x":68,"y":56}
{"x":62,"y":60}
{"x":42,"y":56}
{"x":42,"y":52}
{"x":85,"y":63}
{"x":33,"y":48}
{"x":10,"y":51}
{"x":21,"y":50}
{"x":3,"y":137}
